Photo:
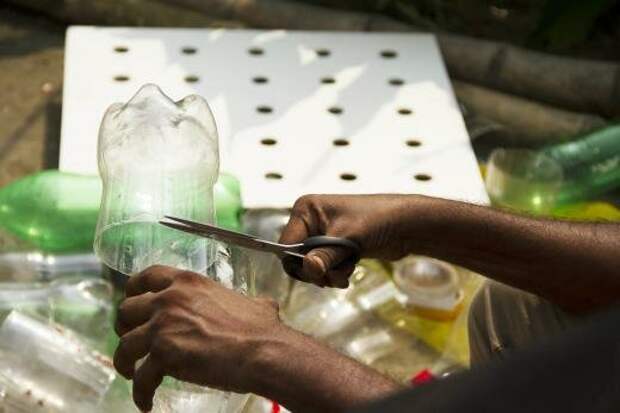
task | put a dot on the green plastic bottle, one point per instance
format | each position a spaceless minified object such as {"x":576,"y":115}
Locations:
{"x":51,"y":210}
{"x":56,"y":212}
{"x":591,"y":164}
{"x":590,"y":149}
{"x":228,"y":205}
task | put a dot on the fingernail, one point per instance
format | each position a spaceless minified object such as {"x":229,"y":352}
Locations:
{"x":319,"y":262}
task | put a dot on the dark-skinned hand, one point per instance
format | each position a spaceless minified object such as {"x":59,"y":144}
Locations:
{"x":191,"y":328}
{"x":374,"y":222}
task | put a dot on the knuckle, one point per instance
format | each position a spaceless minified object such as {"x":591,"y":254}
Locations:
{"x":304,"y":201}
{"x":156,"y":269}
{"x":122,"y":310}
{"x":122,"y":344}
{"x":161,"y":348}
{"x":187,"y":276}
{"x":166,"y":298}
{"x":158,"y":323}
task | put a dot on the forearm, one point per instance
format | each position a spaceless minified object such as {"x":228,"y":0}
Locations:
{"x":575,"y":265}
{"x":306,"y":376}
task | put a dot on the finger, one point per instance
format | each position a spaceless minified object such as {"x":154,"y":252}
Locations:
{"x":339,"y":278}
{"x":153,"y":279}
{"x":296,"y":230}
{"x":146,"y":379}
{"x":134,"y":311}
{"x":293,"y":266}
{"x":132,"y":347}
{"x":319,"y":261}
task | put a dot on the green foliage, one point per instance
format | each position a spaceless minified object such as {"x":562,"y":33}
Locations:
{"x":565,"y":23}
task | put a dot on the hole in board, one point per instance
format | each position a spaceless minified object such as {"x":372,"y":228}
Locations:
{"x":121,"y":78}
{"x":328,"y":80}
{"x":422,"y":177}
{"x":348,"y":177}
{"x":341,"y":142}
{"x":264,"y":109}
{"x":121,"y":49}
{"x":405,"y":111}
{"x":260,"y":79}
{"x":396,"y":81}
{"x":268,"y":141}
{"x":256,"y":51}
{"x":323,"y":52}
{"x":413,"y":142}
{"x":335,"y":110}
{"x":192,"y":79}
{"x":273,"y":175}
{"x":388,"y":54}
{"x":189,"y":50}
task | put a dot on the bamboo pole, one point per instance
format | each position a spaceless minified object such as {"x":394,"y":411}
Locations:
{"x":581,"y":85}
{"x":525,"y":122}
{"x":122,"y":13}
{"x":293,"y":15}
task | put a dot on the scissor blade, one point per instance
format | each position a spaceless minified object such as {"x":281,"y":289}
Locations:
{"x":221,"y":234}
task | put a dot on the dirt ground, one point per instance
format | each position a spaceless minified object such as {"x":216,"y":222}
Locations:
{"x":31,"y":67}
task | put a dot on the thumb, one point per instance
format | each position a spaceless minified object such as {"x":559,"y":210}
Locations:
{"x":320,"y":261}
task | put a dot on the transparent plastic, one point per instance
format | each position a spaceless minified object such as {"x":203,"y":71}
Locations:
{"x":37,"y":266}
{"x":156,"y":157}
{"x":429,"y":284}
{"x":83,"y":305}
{"x":45,"y":367}
{"x":524,"y":180}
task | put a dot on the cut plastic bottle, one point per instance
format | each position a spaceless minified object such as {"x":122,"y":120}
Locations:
{"x":158,"y":157}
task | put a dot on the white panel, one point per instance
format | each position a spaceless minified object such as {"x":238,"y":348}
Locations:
{"x":304,"y":155}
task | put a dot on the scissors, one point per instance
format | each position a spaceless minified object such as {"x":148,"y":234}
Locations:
{"x":291,"y":254}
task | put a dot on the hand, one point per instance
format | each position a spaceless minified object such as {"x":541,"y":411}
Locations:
{"x":191,"y":328}
{"x":377,"y":223}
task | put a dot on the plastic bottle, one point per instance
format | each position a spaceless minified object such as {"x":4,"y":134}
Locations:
{"x":158,"y":157}
{"x":592,"y":148}
{"x":228,"y":209}
{"x":52,"y":211}
{"x":591,"y":164}
{"x":423,"y":299}
{"x":56,"y":212}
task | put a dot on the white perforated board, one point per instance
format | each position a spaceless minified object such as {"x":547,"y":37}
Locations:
{"x":398,"y":125}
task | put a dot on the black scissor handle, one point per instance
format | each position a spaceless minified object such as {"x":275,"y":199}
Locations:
{"x":293,"y":264}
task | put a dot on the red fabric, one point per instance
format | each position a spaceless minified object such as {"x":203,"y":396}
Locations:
{"x":424,"y":376}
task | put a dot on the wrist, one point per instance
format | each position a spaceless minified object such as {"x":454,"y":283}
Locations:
{"x":276,"y":364}
{"x":304,"y":375}
{"x":266,"y":359}
{"x":418,"y":226}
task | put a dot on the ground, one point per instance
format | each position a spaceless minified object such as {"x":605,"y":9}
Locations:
{"x":31,"y":64}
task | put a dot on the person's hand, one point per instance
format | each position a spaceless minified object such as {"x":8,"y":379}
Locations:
{"x":377,"y":223}
{"x":191,"y":328}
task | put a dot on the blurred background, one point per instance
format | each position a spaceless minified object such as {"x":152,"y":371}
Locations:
{"x":32,"y":36}
{"x":537,"y":82}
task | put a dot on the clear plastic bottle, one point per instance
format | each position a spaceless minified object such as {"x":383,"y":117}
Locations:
{"x":425,"y":298}
{"x":47,"y":368}
{"x":158,"y":157}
